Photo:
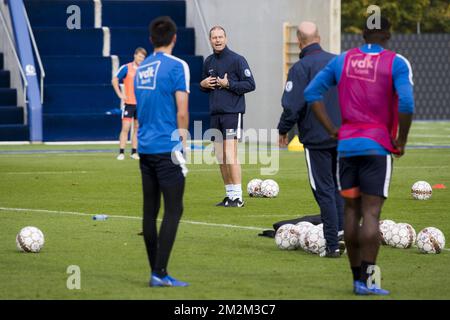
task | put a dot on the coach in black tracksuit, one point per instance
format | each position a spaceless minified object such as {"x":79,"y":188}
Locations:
{"x":320,"y":148}
{"x":227,"y":78}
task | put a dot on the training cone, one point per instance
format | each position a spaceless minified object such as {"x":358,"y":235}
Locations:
{"x":295,"y":145}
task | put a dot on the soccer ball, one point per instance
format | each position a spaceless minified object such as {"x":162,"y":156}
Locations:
{"x":421,"y":190}
{"x":385,"y":226}
{"x":412,"y":232}
{"x":254,"y":188}
{"x":269,"y":188}
{"x":315,"y":240}
{"x":303,"y":228}
{"x":287,"y":237}
{"x":30,"y":239}
{"x":430,"y":240}
{"x":400,"y":235}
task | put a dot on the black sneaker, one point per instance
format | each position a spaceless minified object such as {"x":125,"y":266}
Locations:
{"x":224,"y":202}
{"x":331,"y":254}
{"x":237,"y":203}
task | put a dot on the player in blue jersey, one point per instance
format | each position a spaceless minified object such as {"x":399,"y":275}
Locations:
{"x":162,"y":92}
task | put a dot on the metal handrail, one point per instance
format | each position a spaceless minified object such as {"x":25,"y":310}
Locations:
{"x":38,"y":56}
{"x":203,"y":23}
{"x":13,"y":49}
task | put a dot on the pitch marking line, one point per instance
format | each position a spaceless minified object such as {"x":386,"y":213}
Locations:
{"x":45,"y":172}
{"x":232,"y":226}
{"x":139,"y":218}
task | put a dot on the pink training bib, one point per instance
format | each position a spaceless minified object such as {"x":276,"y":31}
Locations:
{"x":369,"y":103}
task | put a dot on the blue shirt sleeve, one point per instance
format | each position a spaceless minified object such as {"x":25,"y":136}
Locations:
{"x":403,"y":82}
{"x":122,"y":73}
{"x":181,"y":77}
{"x":327,"y":77}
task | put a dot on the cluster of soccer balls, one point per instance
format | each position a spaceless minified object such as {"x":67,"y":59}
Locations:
{"x":303,"y":235}
{"x":258,"y":188}
{"x":403,"y":235}
{"x":30,"y":239}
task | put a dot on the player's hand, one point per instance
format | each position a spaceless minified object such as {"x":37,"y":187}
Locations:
{"x":224,"y":83}
{"x":400,"y":146}
{"x":283,"y":140}
{"x":334,"y":134}
{"x":209,"y":83}
{"x":123,"y":97}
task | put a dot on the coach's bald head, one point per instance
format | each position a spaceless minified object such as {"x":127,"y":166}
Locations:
{"x":307,"y":33}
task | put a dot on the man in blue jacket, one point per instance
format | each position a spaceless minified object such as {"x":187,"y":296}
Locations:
{"x":320,"y":148}
{"x":227,"y":78}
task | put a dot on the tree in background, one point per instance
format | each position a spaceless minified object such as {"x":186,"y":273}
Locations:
{"x":406,"y":16}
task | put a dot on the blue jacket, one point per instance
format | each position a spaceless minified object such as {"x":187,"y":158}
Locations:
{"x":295,"y":108}
{"x":240,"y":77}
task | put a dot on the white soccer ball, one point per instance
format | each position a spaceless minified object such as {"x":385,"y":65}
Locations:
{"x":421,"y":190}
{"x":30,"y":239}
{"x":315,"y":240}
{"x":287,"y":237}
{"x":412,"y":233}
{"x":401,"y":235}
{"x":430,"y":240}
{"x":269,"y":188}
{"x":303,"y":228}
{"x":254,"y":188}
{"x":385,"y":226}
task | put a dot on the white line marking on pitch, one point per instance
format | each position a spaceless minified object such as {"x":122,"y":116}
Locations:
{"x":132,"y":218}
{"x":420,"y":135}
{"x":45,"y":172}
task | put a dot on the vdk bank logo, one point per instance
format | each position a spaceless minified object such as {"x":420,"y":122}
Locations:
{"x":147,"y":75}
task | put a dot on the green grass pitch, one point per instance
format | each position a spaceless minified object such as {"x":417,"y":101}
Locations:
{"x":217,"y":249}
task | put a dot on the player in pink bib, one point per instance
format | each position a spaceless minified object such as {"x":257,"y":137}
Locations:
{"x":377,"y":103}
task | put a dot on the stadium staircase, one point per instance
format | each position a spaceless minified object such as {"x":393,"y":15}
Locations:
{"x":12,"y":127}
{"x":79,"y":63}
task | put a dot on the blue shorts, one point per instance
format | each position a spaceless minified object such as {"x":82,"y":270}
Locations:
{"x":364,"y":174}
{"x":166,"y":169}
{"x":229,"y":124}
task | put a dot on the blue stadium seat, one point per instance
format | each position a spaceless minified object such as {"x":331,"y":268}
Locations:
{"x":11,"y":115}
{"x":81,"y":127}
{"x":62,"y":41}
{"x":81,"y":98}
{"x":139,"y":13}
{"x":8,"y":97}
{"x":51,"y":13}
{"x":198,"y":100}
{"x":14,"y":132}
{"x":4,"y":78}
{"x":12,"y":127}
{"x":124,"y":40}
{"x":77,"y":69}
{"x":78,"y":90}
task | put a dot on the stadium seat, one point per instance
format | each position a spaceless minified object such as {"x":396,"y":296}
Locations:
{"x":128,"y":13}
{"x":123,"y":40}
{"x":78,"y":93}
{"x":12,"y":127}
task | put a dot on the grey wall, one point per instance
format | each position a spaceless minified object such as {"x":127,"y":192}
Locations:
{"x":429,"y":55}
{"x":255,"y":30}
